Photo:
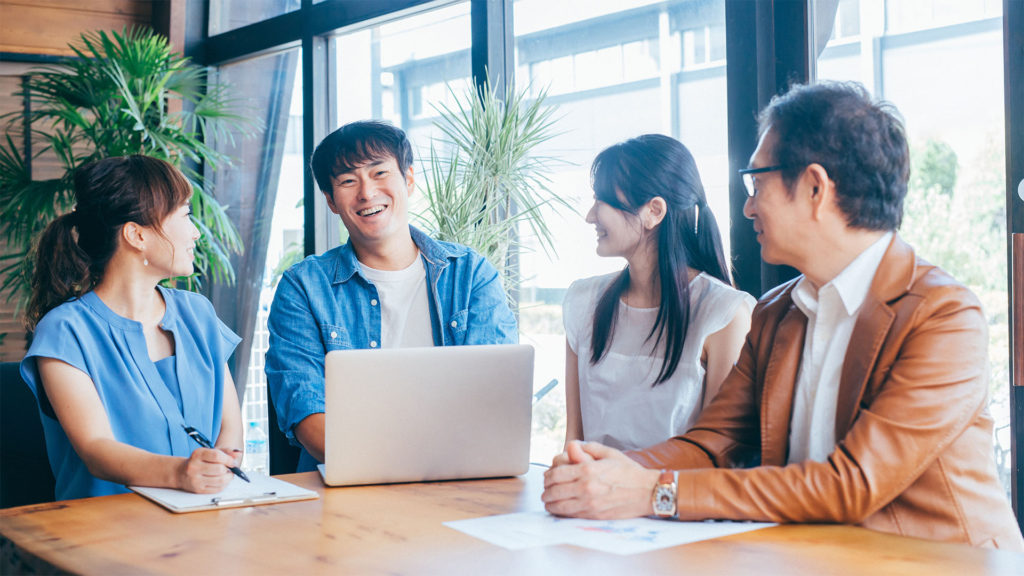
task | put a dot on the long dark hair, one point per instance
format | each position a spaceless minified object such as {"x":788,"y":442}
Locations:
{"x":643,"y":168}
{"x":74,"y":250}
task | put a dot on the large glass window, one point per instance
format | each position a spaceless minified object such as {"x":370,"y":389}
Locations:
{"x":909,"y":15}
{"x":401,"y":70}
{"x":230,"y":14}
{"x":955,"y":208}
{"x":615,"y":70}
{"x":263,"y":192}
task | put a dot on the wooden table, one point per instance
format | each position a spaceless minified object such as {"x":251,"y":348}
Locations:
{"x":398,"y":529}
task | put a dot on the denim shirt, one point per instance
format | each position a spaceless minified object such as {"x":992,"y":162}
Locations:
{"x":325,"y":303}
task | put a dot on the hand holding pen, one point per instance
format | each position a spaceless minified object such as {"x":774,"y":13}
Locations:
{"x":205,"y":443}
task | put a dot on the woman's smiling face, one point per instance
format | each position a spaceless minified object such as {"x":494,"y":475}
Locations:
{"x":618,"y":231}
{"x":174,"y":252}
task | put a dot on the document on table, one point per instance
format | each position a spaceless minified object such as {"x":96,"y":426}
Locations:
{"x":261,"y":490}
{"x":529,"y":529}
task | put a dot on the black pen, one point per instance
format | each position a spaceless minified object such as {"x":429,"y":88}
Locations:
{"x":202,"y":441}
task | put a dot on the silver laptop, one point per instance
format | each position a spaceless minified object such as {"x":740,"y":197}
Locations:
{"x":417,"y":414}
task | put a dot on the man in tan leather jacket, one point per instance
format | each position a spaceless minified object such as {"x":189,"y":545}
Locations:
{"x":871,"y":411}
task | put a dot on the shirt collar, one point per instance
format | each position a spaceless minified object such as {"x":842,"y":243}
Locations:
{"x":434,"y":252}
{"x":852,"y":284}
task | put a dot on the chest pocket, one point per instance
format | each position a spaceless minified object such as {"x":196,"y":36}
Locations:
{"x":334,"y":338}
{"x":456,"y":326}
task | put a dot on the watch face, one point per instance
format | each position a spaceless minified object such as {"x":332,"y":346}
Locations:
{"x":664,"y":500}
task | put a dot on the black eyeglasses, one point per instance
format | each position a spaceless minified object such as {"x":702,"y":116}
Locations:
{"x":748,"y":176}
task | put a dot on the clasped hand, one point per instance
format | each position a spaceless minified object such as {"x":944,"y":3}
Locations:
{"x":590,"y":480}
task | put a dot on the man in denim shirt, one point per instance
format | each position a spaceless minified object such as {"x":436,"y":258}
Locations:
{"x":389,"y":286}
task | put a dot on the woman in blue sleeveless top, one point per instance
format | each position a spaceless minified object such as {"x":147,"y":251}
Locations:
{"x":119,"y":364}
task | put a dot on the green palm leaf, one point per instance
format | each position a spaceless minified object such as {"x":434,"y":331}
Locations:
{"x":111,"y":99}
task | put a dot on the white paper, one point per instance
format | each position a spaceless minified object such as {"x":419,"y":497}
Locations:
{"x":261,"y":489}
{"x":528,"y":529}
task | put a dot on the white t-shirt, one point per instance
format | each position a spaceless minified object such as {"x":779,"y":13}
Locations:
{"x":404,"y":308}
{"x":618,"y":405}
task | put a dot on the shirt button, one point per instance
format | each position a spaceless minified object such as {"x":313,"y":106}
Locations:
{"x":373,"y":343}
{"x":334,"y":335}
{"x":454,"y":324}
{"x":373,"y":302}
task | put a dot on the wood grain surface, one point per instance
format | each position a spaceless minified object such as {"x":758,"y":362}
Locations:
{"x":398,"y":529}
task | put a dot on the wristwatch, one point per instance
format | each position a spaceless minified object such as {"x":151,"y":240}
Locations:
{"x":663,"y":499}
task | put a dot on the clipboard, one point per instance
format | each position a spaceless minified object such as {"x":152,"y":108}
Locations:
{"x":239,"y":493}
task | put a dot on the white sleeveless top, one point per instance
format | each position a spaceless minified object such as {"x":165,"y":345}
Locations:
{"x":618,"y":405}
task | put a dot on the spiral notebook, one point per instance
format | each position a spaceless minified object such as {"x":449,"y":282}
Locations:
{"x":261,"y":490}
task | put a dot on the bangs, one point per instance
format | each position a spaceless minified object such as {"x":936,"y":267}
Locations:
{"x":359,"y":153}
{"x":180,"y":188}
{"x":608,"y":176}
{"x":162,"y":188}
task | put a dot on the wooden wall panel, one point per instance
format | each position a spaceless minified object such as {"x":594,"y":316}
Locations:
{"x":44,"y":166}
{"x":13,"y":342}
{"x":12,"y":346}
{"x":8,"y":101}
{"x":47,"y":26}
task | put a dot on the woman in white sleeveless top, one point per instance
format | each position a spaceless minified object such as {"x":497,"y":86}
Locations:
{"x":648,"y":347}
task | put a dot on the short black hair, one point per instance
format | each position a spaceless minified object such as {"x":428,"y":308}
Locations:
{"x":861,"y":143}
{"x":355,"y":144}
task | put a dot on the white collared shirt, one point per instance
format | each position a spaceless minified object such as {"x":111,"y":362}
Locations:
{"x":831,"y":314}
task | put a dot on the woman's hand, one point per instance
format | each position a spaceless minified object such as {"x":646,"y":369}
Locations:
{"x":206,"y":471}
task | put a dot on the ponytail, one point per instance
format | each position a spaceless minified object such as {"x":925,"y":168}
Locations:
{"x":74,"y":250}
{"x":62,"y":269}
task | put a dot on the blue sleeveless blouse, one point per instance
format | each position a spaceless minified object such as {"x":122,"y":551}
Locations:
{"x":143,"y":412}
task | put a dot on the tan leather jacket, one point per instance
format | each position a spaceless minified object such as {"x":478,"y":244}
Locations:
{"x":916,"y":454}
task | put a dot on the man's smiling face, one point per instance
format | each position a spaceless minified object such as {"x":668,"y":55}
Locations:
{"x":373,"y":201}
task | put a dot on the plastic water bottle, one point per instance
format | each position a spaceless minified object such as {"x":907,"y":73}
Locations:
{"x":257,"y":449}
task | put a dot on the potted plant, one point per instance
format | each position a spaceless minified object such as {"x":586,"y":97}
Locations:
{"x":491,"y":180}
{"x":124,"y":93}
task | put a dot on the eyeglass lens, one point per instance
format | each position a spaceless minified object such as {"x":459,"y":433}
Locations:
{"x":748,"y":183}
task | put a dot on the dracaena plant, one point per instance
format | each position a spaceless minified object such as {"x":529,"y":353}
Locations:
{"x":486,"y":185}
{"x":122,"y":93}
